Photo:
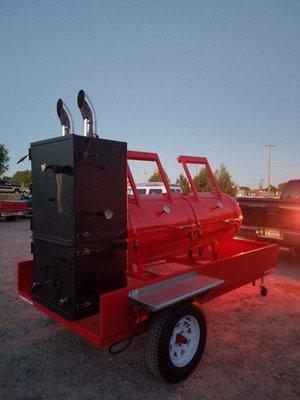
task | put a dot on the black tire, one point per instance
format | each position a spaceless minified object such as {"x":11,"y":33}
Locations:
{"x":10,"y":218}
{"x":157,"y":344}
{"x":17,"y":190}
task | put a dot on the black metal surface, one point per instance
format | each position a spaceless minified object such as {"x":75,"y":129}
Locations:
{"x":79,"y":222}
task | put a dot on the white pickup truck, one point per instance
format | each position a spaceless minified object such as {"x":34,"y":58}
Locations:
{"x":8,"y":188}
{"x":154,"y":188}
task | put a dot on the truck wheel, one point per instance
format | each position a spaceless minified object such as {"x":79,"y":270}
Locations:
{"x":175,"y":342}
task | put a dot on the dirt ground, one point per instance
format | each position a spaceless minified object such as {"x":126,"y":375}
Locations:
{"x":252,"y":350}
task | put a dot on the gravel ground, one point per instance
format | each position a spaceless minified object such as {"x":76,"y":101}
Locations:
{"x":252,"y":350}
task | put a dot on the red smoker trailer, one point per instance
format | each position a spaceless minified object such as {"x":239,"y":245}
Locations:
{"x":110,"y":266}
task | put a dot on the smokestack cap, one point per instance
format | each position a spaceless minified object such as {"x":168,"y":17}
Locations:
{"x":88,"y":113}
{"x":65,"y":117}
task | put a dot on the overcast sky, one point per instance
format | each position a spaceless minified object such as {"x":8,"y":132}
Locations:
{"x":217,"y":79}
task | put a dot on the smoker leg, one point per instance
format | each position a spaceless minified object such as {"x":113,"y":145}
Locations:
{"x":262,"y":288}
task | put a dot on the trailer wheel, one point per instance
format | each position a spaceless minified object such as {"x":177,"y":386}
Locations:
{"x":175,"y":342}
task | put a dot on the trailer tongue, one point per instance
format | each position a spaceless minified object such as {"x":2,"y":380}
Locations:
{"x":109,"y":266}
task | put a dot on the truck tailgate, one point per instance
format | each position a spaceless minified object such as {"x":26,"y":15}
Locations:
{"x":13,"y":206}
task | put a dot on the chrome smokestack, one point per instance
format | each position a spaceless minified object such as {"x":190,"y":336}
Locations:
{"x":65,"y":117}
{"x":88,"y":114}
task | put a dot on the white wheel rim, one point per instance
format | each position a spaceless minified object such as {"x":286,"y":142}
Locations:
{"x":184,"y":341}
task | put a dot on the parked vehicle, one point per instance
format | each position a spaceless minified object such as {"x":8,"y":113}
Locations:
{"x":276,"y":220}
{"x":8,"y":188}
{"x":154,"y":188}
{"x":28,"y":199}
{"x":10,"y":209}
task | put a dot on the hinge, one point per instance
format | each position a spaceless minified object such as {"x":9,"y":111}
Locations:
{"x":84,"y":154}
{"x":84,"y":304}
{"x":80,"y":235}
{"x":87,"y":252}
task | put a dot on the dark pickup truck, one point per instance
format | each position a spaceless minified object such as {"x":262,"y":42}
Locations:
{"x":276,"y":220}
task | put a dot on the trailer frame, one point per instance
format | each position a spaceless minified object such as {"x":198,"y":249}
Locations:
{"x":236,"y":262}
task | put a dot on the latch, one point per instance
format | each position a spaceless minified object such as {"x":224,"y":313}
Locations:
{"x":57,"y":169}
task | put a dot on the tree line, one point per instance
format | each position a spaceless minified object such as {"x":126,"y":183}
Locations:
{"x":203,"y":182}
{"x":20,"y":178}
{"x":201,"y":179}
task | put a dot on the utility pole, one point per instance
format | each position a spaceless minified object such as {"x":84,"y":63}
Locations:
{"x":269,"y":167}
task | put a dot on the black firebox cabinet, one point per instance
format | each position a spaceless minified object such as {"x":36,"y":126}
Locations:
{"x":79,"y":191}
